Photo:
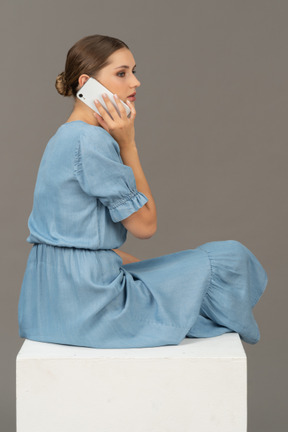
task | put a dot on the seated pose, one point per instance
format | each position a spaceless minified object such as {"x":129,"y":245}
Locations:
{"x":78,"y":287}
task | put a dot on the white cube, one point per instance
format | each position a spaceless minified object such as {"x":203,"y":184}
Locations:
{"x":199,"y":385}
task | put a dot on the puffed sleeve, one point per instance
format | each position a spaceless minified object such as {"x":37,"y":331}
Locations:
{"x":101,"y":173}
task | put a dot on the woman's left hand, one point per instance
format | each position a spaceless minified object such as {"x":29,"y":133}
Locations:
{"x":121,"y":127}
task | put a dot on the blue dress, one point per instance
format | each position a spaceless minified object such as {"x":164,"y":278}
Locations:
{"x":76,"y":291}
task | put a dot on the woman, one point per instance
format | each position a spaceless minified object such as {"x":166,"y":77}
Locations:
{"x":78,"y":287}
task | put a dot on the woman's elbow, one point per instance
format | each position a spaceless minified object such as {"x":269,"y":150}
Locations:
{"x":148,"y":233}
{"x":138,"y":225}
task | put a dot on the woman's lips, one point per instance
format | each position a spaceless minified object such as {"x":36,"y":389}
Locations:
{"x":132,"y":97}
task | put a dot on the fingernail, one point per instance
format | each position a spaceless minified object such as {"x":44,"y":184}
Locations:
{"x":105,"y":94}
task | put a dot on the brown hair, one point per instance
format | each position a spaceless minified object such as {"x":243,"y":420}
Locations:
{"x":87,"y":56}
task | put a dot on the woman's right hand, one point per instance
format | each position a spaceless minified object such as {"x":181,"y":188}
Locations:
{"x":120,"y":127}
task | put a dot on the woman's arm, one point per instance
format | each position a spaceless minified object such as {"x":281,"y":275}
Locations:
{"x":130,"y":157}
{"x":126,"y":258}
{"x":123,"y":131}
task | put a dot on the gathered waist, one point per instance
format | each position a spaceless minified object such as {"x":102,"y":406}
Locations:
{"x":71,"y":247}
{"x":104,"y":262}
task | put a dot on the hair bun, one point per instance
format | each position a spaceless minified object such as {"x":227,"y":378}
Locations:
{"x":62,"y":85}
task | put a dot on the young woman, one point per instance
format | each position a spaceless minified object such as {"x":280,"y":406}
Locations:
{"x":78,"y":287}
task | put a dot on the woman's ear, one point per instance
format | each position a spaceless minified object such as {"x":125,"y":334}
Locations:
{"x":82,"y":79}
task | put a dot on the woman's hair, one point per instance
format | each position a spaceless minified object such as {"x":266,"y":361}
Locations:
{"x":87,"y":56}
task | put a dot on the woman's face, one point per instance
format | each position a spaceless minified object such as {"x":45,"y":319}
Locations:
{"x":119,"y":76}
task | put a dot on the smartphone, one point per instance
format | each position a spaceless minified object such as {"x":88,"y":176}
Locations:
{"x":93,"y":89}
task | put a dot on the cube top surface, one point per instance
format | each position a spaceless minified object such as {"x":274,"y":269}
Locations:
{"x":227,"y":345}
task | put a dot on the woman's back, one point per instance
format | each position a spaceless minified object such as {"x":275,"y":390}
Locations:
{"x":80,"y":166}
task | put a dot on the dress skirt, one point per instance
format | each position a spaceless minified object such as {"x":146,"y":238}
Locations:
{"x":88,"y":298}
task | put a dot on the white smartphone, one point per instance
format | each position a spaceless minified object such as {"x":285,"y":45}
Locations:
{"x":93,"y":89}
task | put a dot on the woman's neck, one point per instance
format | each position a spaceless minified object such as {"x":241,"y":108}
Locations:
{"x":83,"y":113}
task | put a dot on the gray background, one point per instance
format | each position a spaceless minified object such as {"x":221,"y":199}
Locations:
{"x":211,"y":130}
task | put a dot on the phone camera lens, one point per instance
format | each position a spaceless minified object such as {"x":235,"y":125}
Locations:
{"x":80,"y":95}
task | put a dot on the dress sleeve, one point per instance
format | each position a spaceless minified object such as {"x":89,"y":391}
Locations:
{"x":101,"y":173}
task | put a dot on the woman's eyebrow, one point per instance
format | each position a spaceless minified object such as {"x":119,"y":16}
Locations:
{"x":124,"y":66}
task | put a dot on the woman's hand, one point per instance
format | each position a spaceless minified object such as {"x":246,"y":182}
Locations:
{"x":120,"y":127}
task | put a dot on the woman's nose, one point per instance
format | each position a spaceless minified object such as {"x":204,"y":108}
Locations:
{"x":136,"y":82}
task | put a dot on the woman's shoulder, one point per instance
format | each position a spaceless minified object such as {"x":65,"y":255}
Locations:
{"x":98,"y":137}
{"x":89,"y":142}
{"x":88,"y":136}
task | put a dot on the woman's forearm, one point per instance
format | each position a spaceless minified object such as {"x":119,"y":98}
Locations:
{"x":126,"y":258}
{"x":130,"y":157}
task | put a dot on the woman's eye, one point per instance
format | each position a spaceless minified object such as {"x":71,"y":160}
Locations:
{"x":134,"y":71}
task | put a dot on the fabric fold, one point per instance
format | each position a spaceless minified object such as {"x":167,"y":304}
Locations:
{"x":238,"y":280}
